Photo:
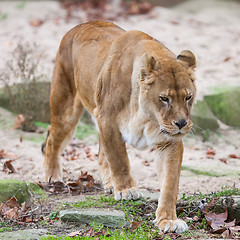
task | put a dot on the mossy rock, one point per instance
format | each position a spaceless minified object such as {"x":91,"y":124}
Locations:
{"x":107,"y":217}
{"x":226,"y":106}
{"x":39,"y":94}
{"x":203,"y":118}
{"x":19,"y":189}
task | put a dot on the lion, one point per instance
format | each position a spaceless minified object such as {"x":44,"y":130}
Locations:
{"x":138,"y":92}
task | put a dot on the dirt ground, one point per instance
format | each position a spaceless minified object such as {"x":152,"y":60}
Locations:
{"x":210,"y":30}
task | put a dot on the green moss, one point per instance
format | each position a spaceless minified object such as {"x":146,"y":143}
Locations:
{"x":201,"y":172}
{"x":13,"y":188}
{"x":225,"y":106}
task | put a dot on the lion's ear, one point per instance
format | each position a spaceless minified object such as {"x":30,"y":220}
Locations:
{"x":187,"y":59}
{"x":148,"y":63}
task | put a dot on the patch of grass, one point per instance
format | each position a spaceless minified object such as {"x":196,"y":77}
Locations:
{"x":224,"y":192}
{"x":143,"y":232}
{"x":36,"y":138}
{"x":201,"y":172}
{"x":4,"y":227}
{"x":3,"y":16}
{"x":41,"y":125}
{"x":21,"y":5}
{"x":85,"y":130}
{"x":132,"y":209}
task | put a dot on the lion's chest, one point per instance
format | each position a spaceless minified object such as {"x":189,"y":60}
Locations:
{"x":140,"y":134}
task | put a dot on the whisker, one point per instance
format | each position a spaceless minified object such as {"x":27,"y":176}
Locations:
{"x":196,"y":126}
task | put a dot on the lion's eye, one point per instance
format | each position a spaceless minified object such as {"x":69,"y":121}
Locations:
{"x":188,"y":98}
{"x":164,"y":99}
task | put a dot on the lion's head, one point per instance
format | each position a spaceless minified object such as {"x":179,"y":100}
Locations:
{"x":167,"y":92}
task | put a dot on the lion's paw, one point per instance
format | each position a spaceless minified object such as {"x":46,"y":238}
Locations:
{"x":177,"y":226}
{"x":52,"y":175}
{"x":128,"y":194}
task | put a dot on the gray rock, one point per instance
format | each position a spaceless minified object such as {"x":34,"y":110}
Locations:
{"x":27,"y":234}
{"x":107,"y":217}
{"x":19,"y":189}
{"x":40,"y":93}
{"x":203,"y":118}
{"x":226,"y":106}
{"x":14,"y":188}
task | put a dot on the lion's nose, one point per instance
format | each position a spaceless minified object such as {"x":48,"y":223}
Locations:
{"x":180,"y":123}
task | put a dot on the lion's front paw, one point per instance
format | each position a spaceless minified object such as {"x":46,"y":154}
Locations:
{"x":51,"y":175}
{"x":128,"y":194}
{"x":177,"y":226}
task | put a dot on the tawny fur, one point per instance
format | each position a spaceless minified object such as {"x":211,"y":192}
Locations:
{"x":138,"y":91}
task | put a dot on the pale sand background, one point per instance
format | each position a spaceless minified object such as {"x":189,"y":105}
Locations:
{"x":211,"y":29}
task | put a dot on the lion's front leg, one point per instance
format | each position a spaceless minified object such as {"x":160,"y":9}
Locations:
{"x":169,"y":165}
{"x":124,"y":186}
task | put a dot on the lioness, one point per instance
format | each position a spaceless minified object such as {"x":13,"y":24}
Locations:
{"x":138,"y":92}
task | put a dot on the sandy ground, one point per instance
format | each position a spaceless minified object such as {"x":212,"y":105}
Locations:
{"x":209,"y":28}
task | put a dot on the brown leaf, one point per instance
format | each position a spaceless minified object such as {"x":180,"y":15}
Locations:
{"x":91,"y":156}
{"x":8,"y":167}
{"x":213,"y":202}
{"x":10,"y":156}
{"x":224,"y":160}
{"x":2,"y":155}
{"x":210,"y":153}
{"x":146,"y":163}
{"x":12,"y":213}
{"x":74,"y":186}
{"x":217,"y":221}
{"x":86,"y":177}
{"x":134,"y":225}
{"x":174,"y":22}
{"x":233,"y":156}
{"x":4,"y":208}
{"x":227,"y":234}
{"x":90,"y":184}
{"x":19,"y":121}
{"x":36,"y":22}
{"x":28,"y":220}
{"x":20,"y":137}
{"x":227,"y":59}
{"x":12,"y":202}
{"x":74,"y":234}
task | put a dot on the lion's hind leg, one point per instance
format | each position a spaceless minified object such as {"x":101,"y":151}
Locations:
{"x":104,"y":169}
{"x":60,"y":133}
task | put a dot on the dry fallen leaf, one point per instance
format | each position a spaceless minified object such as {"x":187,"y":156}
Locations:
{"x":19,"y":121}
{"x":74,"y":234}
{"x":224,"y":160}
{"x":217,"y":221}
{"x":234,"y":156}
{"x":134,"y":225}
{"x":12,"y":202}
{"x":8,"y":167}
{"x":36,"y":22}
{"x":12,"y":213}
{"x":210,"y":153}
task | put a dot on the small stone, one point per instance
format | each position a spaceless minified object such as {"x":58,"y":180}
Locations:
{"x":27,"y":234}
{"x":107,"y":217}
